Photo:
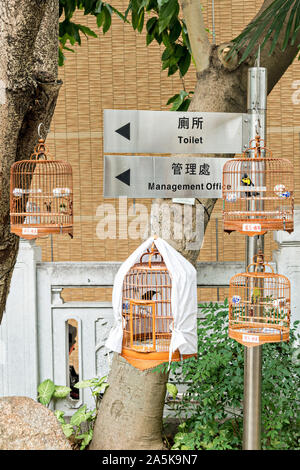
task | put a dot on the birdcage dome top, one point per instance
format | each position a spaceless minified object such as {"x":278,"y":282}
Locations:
{"x":183,"y":295}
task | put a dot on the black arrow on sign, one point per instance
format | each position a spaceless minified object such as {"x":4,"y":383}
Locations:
{"x":124,"y":177}
{"x":124,"y":131}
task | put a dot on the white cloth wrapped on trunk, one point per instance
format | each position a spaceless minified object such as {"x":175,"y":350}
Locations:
{"x":183,"y":298}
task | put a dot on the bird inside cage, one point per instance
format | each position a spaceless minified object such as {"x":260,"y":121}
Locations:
{"x":247,"y":182}
{"x":32,"y":208}
{"x":48,"y":206}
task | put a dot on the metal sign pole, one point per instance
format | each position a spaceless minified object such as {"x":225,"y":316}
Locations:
{"x":257,"y":105}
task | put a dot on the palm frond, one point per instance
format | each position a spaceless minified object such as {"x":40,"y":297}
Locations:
{"x":268,"y":25}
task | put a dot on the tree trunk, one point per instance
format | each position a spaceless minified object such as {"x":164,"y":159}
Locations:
{"x":130,"y":414}
{"x":28,"y":93}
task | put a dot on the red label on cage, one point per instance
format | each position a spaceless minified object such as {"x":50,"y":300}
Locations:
{"x":251,"y":228}
{"x":250,"y":338}
{"x":29,"y":231}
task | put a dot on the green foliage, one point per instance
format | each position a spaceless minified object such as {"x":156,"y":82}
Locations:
{"x":73,"y":431}
{"x":269,"y":25}
{"x":211,"y":408}
{"x":165,"y":27}
{"x":61,"y":391}
{"x":48,"y":391}
{"x":172,"y":390}
{"x":70,"y":32}
{"x":45,"y":391}
{"x":181,"y":101}
{"x":97,"y":386}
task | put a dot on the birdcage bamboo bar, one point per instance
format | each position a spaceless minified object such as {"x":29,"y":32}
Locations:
{"x":41,"y":195}
{"x":258,"y":193}
{"x":259,"y":305}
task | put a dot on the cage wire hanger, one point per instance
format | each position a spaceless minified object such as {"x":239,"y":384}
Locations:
{"x":39,"y":130}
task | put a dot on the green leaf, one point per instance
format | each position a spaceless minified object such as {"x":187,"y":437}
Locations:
{"x":175,"y":30}
{"x":172,"y":390}
{"x":100,"y":389}
{"x":60,"y":416}
{"x":61,"y":391}
{"x":85,"y":383}
{"x":68,"y":430}
{"x":173,"y":98}
{"x":79,"y":417}
{"x":134,"y":19}
{"x":85,"y":438}
{"x":184,"y":63}
{"x":45,"y":391}
{"x":98,"y":6}
{"x":184,"y":105}
{"x":178,"y":100}
{"x":149,"y":39}
{"x":107,"y":20}
{"x":166,"y":12}
{"x":100,"y":18}
{"x":160,"y":3}
{"x":150,"y":26}
{"x":166,"y":54}
{"x":87,"y":31}
{"x":61,"y":57}
{"x":292,"y":21}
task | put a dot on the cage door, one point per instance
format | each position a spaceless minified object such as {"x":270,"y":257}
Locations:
{"x":142,"y":326}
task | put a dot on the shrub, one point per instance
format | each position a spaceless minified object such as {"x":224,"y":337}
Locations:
{"x":211,"y":409}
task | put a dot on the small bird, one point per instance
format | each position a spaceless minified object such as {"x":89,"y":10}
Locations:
{"x":63,"y":208}
{"x":255,"y":295}
{"x":150,"y":294}
{"x":48,"y":206}
{"x":246,"y":181}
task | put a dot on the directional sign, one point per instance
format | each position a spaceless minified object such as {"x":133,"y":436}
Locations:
{"x":132,"y":131}
{"x":162,"y":177}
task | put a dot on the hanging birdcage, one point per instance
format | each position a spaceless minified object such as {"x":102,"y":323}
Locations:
{"x":259,"y":305}
{"x":147,"y":312}
{"x":41,"y":195}
{"x":258,"y":193}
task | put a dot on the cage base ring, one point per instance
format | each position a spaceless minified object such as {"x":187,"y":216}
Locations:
{"x":149,"y":360}
{"x":250,"y":334}
{"x":265,"y":226}
{"x":36,"y":231}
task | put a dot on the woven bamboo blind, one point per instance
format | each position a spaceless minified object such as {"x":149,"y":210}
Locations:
{"x":118,"y":71}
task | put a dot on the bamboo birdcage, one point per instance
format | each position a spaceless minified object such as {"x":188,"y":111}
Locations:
{"x":41,"y":195}
{"x":147,"y":312}
{"x":258,"y":193}
{"x":259,"y":305}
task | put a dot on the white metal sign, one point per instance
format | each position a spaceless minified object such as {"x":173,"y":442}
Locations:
{"x":136,"y":131}
{"x":162,"y":177}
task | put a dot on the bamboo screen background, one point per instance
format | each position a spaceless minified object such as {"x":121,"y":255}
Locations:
{"x":118,"y":71}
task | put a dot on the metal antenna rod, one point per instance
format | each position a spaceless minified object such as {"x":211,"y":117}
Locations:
{"x":213,"y":22}
{"x":257,"y":105}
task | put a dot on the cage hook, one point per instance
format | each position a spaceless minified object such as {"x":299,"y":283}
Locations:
{"x":39,"y":130}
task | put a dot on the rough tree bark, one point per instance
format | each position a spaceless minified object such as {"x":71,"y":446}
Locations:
{"x":28,"y":94}
{"x":221,"y":87}
{"x":133,"y":410}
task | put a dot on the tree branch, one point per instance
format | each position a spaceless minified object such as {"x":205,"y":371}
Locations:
{"x":192,"y":13}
